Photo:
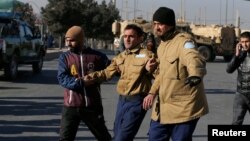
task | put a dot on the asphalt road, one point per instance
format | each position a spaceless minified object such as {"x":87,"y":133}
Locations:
{"x":30,"y":107}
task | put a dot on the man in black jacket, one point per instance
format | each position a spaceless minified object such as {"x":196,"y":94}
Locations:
{"x":241,"y":61}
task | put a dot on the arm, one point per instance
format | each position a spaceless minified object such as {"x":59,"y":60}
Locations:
{"x":237,"y":59}
{"x":234,"y":64}
{"x":65,"y":78}
{"x":152,"y":69}
{"x":194,"y":62}
{"x":105,"y":74}
{"x":149,"y":99}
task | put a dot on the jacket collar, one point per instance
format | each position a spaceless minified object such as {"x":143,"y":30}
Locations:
{"x":133,"y":50}
{"x":169,"y":35}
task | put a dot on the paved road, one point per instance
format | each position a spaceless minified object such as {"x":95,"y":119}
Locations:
{"x":30,"y":107}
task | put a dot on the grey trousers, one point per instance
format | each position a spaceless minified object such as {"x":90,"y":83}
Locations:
{"x":240,"y":107}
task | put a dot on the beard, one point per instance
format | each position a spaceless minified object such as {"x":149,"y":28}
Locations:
{"x":75,"y":49}
{"x":164,"y":34}
{"x":159,"y":33}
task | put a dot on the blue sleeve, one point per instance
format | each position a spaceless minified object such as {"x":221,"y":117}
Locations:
{"x":65,"y":78}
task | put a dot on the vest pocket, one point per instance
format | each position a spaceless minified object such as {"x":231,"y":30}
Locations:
{"x":120,"y":64}
{"x":181,"y":96}
{"x":171,"y":67}
{"x":137,"y":66}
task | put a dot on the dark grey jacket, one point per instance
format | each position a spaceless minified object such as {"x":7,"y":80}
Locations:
{"x":242,"y":63}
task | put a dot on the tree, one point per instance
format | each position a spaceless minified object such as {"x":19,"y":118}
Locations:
{"x":95,"y":19}
{"x":62,"y":14}
{"x":109,"y":15}
{"x":27,"y":13}
{"x":19,"y":10}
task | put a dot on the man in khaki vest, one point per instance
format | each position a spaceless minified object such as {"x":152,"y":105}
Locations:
{"x":134,"y":67}
{"x":178,"y":87}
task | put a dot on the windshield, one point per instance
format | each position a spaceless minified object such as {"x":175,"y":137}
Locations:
{"x":9,"y":30}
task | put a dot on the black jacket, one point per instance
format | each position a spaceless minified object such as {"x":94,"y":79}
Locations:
{"x":242,"y":63}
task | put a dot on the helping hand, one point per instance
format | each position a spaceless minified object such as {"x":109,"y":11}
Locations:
{"x":151,"y":65}
{"x":88,"y":80}
{"x":148,"y":101}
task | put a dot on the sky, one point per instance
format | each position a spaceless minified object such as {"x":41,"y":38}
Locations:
{"x":195,"y":11}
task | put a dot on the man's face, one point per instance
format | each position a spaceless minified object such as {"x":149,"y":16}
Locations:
{"x":245,"y":43}
{"x":70,"y":42}
{"x":160,"y":29}
{"x":150,"y":45}
{"x":131,"y":39}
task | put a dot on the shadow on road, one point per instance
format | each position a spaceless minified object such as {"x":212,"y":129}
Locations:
{"x":30,"y":118}
{"x":26,"y":76}
{"x":219,"y":91}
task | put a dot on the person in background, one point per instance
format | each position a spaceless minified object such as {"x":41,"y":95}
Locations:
{"x":121,"y":45}
{"x":241,"y":62}
{"x":82,"y":99}
{"x":50,"y":41}
{"x":181,"y":99}
{"x":135,"y":66}
{"x":150,"y":42}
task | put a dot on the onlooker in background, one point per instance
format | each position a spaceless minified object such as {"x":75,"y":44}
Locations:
{"x":121,"y":45}
{"x":50,"y":41}
{"x":181,"y":97}
{"x":82,"y":100}
{"x":133,"y":65}
{"x":241,"y":61}
{"x":150,"y":43}
{"x":45,"y":37}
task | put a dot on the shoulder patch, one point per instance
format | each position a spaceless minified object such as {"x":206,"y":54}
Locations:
{"x":189,"y":45}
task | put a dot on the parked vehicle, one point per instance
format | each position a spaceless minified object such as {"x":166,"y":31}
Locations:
{"x":212,"y":40}
{"x":19,"y":44}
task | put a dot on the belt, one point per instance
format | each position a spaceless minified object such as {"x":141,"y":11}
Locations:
{"x":132,"y":97}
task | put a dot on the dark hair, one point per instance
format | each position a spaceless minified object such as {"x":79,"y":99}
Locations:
{"x":245,"y":34}
{"x":150,"y":38}
{"x":134,"y":27}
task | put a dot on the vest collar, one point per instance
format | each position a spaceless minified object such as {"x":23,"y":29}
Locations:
{"x":133,"y":50}
{"x":169,"y":35}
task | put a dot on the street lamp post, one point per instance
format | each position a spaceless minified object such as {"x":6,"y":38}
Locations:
{"x":39,"y":20}
{"x":226,"y":12}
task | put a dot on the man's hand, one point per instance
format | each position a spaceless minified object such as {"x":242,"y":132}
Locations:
{"x":151,"y":65}
{"x":193,"y":81}
{"x":238,"y":49}
{"x":88,"y":80}
{"x":148,"y":101}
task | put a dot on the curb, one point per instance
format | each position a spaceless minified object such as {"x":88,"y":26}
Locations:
{"x":53,"y":53}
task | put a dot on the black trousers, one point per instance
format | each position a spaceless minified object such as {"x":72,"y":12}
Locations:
{"x":91,"y":116}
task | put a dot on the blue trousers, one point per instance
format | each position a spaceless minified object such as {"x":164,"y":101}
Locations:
{"x":177,"y":132}
{"x":129,"y":116}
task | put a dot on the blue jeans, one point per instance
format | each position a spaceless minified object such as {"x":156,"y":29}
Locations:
{"x":177,"y":132}
{"x":129,"y":116}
